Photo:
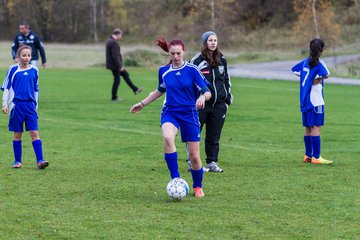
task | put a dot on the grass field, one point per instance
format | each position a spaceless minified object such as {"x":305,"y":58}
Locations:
{"x":107,"y":176}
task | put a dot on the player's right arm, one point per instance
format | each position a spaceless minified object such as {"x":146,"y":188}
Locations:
{"x":149,"y":99}
{"x":5,"y":98}
{"x":6,"y":90}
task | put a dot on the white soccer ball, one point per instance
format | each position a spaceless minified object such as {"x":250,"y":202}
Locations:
{"x":177,"y":188}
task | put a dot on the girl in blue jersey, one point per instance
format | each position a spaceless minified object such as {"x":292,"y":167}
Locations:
{"x":20,"y":99}
{"x":312,"y":72}
{"x":182,"y":82}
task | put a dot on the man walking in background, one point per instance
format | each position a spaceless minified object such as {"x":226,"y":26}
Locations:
{"x":114,"y":63}
{"x":28,"y":37}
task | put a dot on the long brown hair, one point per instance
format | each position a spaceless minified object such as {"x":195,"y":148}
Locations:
{"x":212,"y":57}
{"x":316,"y":48}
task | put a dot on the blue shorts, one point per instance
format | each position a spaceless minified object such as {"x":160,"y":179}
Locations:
{"x":314,"y":116}
{"x":187,"y":121}
{"x":23,"y":112}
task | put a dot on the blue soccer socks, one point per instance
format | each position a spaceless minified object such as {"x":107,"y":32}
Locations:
{"x":37,"y":145}
{"x":17,"y":147}
{"x":316,"y":143}
{"x":197,"y":176}
{"x":308,"y":146}
{"x":172,"y":164}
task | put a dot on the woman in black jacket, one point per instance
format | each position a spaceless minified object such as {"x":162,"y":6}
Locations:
{"x":213,"y":65}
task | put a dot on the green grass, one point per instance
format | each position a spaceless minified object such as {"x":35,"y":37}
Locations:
{"x":107,"y":176}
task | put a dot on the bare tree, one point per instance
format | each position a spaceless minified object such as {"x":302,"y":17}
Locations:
{"x":213,"y":14}
{"x":94,"y":20}
{"x":316,"y":25}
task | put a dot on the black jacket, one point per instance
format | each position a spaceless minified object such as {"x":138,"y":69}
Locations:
{"x":113,"y":55}
{"x":34,"y":42}
{"x":218,"y":78}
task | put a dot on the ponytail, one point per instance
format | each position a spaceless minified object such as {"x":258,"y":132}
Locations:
{"x":164,"y":45}
{"x":161,"y":42}
{"x":316,"y":48}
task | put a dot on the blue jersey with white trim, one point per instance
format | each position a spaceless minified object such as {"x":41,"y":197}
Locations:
{"x":182,"y":85}
{"x":22,"y":84}
{"x":311,"y":95}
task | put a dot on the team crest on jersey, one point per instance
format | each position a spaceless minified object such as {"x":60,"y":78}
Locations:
{"x":221,"y":69}
{"x":31,"y":37}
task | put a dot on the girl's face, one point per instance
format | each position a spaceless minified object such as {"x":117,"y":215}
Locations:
{"x":176,"y":55}
{"x":211,"y":42}
{"x":25,"y":56}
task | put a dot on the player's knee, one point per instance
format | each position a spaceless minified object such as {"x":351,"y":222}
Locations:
{"x":34,"y":135}
{"x":17,"y":136}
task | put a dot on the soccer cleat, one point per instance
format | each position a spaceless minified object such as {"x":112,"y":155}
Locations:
{"x":307,"y":159}
{"x":17,"y":165}
{"x":198,"y":192}
{"x":42,"y":164}
{"x":213,"y":167}
{"x":320,"y":160}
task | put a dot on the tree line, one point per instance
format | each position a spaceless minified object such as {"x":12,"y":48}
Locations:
{"x":71,"y":21}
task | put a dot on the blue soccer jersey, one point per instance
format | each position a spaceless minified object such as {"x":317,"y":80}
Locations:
{"x":311,"y":95}
{"x":21,"y":84}
{"x":181,"y":85}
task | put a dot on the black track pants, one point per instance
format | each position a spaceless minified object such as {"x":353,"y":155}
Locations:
{"x":213,"y":117}
{"x":116,"y":83}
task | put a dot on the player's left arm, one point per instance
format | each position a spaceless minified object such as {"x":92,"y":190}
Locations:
{"x":322,"y":74}
{"x":39,"y":45}
{"x":36,"y":89}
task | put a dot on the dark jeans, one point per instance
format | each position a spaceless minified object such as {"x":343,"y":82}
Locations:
{"x":214,"y":118}
{"x":125,"y":75}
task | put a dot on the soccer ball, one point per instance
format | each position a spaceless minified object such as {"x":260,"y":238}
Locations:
{"x":177,"y":188}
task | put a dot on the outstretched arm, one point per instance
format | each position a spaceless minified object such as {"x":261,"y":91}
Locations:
{"x":149,"y":99}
